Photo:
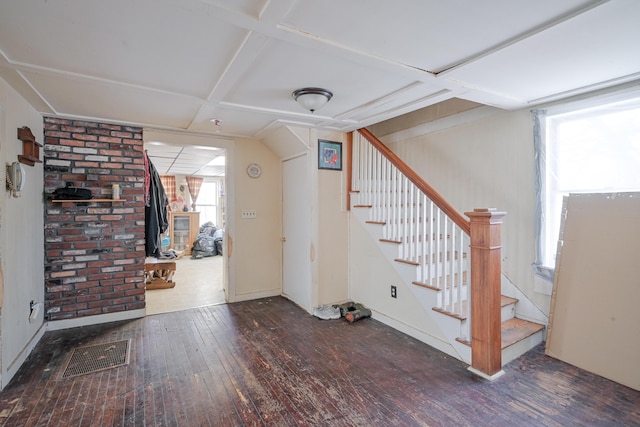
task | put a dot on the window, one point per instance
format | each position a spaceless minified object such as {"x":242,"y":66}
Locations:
{"x":586,"y":147}
{"x":210,"y":202}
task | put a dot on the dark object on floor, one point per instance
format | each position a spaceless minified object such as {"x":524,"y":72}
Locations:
{"x":171,"y":254}
{"x":208,"y":228}
{"x":344,"y":307}
{"x":217,"y":237}
{"x":357,"y":313}
{"x":353,"y":311}
{"x":208,"y":242}
{"x":204,"y":246}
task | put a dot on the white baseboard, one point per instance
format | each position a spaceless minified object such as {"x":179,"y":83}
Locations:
{"x":256,"y":295}
{"x":430,"y":340}
{"x":14,"y":366}
{"x":56,"y":325}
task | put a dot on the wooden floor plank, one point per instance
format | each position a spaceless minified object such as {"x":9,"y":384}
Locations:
{"x":267,"y":362}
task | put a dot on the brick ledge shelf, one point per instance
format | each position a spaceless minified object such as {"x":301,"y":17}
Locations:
{"x":88,"y":200}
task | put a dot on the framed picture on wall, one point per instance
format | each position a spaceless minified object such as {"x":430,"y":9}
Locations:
{"x":329,"y":155}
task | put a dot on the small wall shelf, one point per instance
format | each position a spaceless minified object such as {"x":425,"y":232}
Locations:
{"x":30,"y":147}
{"x":88,"y":201}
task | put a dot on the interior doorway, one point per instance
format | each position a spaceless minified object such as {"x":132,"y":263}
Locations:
{"x":199,"y":275}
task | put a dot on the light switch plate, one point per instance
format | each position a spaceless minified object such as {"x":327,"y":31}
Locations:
{"x":248,"y":213}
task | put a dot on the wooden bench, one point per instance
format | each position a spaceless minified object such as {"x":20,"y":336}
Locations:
{"x":158,"y":274}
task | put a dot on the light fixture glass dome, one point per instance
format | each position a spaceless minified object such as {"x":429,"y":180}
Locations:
{"x":312,"y":98}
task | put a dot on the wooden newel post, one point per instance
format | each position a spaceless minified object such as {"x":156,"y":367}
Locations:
{"x":486,"y":347}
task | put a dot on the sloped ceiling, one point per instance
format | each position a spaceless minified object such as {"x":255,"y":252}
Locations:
{"x":176,"y":64}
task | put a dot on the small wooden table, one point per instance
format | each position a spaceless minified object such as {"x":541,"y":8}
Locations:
{"x":158,"y":274}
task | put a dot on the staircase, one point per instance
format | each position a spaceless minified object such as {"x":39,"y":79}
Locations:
{"x":428,"y":243}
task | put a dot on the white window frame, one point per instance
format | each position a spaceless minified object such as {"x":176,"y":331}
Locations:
{"x":546,"y":166}
{"x":219,"y":204}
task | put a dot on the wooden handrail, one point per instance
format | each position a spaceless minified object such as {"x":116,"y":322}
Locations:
{"x":433,"y":195}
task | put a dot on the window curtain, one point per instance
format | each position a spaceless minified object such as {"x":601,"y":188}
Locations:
{"x":194,"y":183}
{"x":169,"y":184}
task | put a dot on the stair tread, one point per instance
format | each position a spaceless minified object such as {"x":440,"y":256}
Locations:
{"x":395,"y":242}
{"x":461,"y":316}
{"x":515,"y":330}
{"x":504,"y":300}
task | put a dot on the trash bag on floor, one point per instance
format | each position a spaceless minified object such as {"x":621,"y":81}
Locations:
{"x":217,"y":237}
{"x":204,"y":246}
{"x":208,"y":228}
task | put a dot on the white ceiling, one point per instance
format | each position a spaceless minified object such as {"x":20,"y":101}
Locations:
{"x":175,"y":64}
{"x":186,"y":160}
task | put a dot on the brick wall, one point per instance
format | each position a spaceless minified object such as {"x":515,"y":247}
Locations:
{"x":94,"y":253}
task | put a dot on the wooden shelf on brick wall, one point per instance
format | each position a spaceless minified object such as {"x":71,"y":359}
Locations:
{"x":30,"y":147}
{"x":88,"y":201}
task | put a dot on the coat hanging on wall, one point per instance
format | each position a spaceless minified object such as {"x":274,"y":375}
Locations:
{"x":155,"y":210}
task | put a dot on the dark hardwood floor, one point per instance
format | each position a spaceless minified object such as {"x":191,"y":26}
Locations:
{"x":267,"y":362}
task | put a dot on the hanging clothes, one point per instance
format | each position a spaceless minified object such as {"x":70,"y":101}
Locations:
{"x":156,"y":217}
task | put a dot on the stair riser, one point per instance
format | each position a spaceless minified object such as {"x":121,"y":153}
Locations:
{"x":431,"y":258}
{"x":451,"y":327}
{"x":420,"y":241}
{"x":508,"y":312}
{"x":518,"y":349}
{"x":444,"y":298}
{"x":442,"y":279}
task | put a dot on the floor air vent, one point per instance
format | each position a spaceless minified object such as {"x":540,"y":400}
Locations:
{"x":94,"y":358}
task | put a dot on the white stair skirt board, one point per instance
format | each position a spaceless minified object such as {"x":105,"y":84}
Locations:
{"x":434,"y":342}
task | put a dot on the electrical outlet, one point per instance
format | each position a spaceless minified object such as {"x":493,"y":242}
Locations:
{"x":248,"y":214}
{"x":394,"y":292}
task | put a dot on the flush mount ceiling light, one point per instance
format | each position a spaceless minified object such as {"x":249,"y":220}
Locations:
{"x":312,"y":98}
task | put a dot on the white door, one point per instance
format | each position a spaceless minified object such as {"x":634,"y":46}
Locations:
{"x":296,"y":231}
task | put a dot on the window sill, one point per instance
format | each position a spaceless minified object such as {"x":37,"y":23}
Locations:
{"x":543,"y":280}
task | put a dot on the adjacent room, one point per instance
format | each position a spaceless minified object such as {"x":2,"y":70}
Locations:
{"x":193,"y":181}
{"x":288,"y":213}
